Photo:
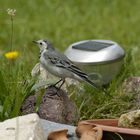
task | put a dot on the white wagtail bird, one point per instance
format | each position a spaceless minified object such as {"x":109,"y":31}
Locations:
{"x":59,"y":65}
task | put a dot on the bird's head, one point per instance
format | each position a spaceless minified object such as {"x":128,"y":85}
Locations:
{"x":43,"y":44}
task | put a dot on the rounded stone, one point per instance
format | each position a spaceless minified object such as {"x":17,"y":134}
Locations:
{"x":54,"y":105}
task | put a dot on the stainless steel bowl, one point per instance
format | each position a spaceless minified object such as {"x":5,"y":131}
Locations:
{"x":100,"y":59}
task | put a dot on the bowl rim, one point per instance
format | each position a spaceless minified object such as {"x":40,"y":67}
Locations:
{"x":110,"y":125}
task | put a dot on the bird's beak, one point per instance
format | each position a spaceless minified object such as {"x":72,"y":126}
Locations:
{"x":35,"y":42}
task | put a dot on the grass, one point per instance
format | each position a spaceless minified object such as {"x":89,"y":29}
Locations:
{"x":65,"y":22}
{"x":15,"y":87}
{"x":95,"y":104}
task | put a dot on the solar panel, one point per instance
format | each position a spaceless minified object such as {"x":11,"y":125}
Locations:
{"x":92,"y":46}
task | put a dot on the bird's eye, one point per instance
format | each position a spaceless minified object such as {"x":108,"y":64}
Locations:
{"x":41,"y":43}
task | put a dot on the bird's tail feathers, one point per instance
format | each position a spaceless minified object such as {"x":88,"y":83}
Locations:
{"x":91,"y":83}
{"x":100,"y":88}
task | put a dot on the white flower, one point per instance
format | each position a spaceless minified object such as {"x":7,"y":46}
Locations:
{"x":11,"y":12}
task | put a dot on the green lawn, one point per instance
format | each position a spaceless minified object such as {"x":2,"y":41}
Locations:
{"x":65,"y":22}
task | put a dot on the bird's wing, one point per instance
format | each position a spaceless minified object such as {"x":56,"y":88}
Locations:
{"x":62,"y":61}
{"x":65,"y":63}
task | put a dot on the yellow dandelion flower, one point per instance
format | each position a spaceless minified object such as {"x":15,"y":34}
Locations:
{"x":12,"y":55}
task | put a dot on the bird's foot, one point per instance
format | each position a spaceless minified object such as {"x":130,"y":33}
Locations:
{"x":55,"y":91}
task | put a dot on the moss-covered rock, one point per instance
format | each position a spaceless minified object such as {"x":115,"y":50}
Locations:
{"x":130,"y":120}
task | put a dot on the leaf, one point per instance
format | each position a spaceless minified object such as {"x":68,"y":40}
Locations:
{"x":3,"y":89}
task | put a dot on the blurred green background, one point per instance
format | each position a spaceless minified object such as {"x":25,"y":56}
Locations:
{"x":63,"y":23}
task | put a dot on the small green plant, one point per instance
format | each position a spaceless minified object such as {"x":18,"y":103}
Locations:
{"x":15,"y":82}
{"x":13,"y":91}
{"x":11,"y":13}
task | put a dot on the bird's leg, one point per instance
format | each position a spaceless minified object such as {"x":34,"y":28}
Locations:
{"x":53,"y":85}
{"x":63,"y":81}
{"x":56,"y":93}
{"x":57,"y":82}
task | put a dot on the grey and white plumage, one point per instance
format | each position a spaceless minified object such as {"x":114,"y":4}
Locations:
{"x":59,"y":65}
